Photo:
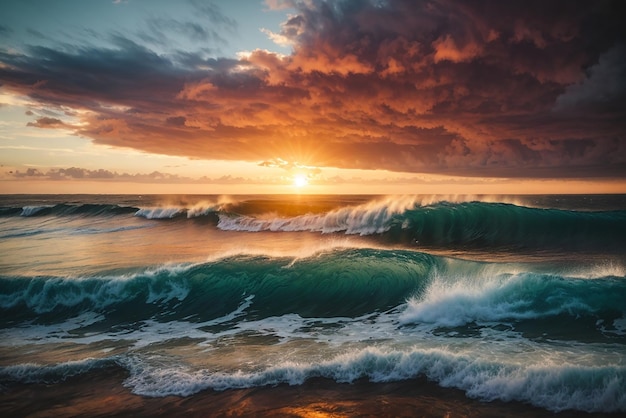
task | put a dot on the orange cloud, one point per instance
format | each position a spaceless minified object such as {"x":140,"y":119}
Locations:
{"x":511,"y":89}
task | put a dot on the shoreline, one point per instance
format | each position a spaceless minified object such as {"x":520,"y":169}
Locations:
{"x":101,"y":393}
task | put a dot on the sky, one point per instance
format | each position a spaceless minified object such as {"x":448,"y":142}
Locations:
{"x":312,"y":96}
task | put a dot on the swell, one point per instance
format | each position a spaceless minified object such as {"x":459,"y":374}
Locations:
{"x":343,"y":283}
{"x":408,"y":220}
{"x":472,"y":224}
{"x":438,"y":293}
{"x":504,"y":225}
{"x":63,"y":209}
{"x":111,"y":210}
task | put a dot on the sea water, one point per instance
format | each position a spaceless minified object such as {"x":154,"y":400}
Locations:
{"x":504,"y":297}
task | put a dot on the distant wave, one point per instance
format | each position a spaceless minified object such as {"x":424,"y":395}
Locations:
{"x":366,"y":219}
{"x":169,"y":212}
{"x":157,"y":212}
{"x":64,"y":209}
{"x":444,"y":224}
{"x":413,"y":220}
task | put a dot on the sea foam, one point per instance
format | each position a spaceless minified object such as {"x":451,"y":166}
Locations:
{"x":366,"y":219}
{"x":554,"y":387}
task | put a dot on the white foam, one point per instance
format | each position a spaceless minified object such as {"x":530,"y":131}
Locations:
{"x":159,"y":212}
{"x":99,"y":291}
{"x":43,"y":334}
{"x":366,"y":219}
{"x":32,"y":210}
{"x":455,"y":304}
{"x":552,"y":386}
{"x":33,"y":372}
{"x":608,"y":268}
{"x":490,"y":296}
{"x":203,"y":209}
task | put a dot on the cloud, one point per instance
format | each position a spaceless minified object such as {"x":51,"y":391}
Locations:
{"x":176,"y":121}
{"x":604,"y":87}
{"x":480,"y":88}
{"x":47,"y":122}
{"x":293,"y":168}
{"x":66,"y":174}
{"x":80,"y":174}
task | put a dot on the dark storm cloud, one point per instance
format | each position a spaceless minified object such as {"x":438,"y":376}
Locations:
{"x":484,"y":88}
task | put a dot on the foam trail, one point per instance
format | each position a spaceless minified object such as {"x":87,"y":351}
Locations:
{"x":38,"y":373}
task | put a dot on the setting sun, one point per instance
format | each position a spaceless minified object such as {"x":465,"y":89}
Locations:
{"x":300,"y":180}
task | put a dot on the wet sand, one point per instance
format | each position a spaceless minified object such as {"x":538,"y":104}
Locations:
{"x":101,"y":393}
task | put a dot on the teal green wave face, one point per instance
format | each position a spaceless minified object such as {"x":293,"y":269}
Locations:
{"x":504,"y":225}
{"x":438,"y":292}
{"x":343,"y":283}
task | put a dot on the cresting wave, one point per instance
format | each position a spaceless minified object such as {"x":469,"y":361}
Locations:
{"x":342,"y":283}
{"x":157,"y":212}
{"x":408,"y":220}
{"x":343,"y":314}
{"x":64,"y":209}
{"x":366,"y":219}
{"x":556,"y":387}
{"x":445,"y":224}
{"x":430,"y":291}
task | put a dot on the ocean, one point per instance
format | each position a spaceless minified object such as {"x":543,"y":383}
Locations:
{"x":507,"y":300}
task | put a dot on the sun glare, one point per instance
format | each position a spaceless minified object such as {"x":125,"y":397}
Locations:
{"x":300,"y":180}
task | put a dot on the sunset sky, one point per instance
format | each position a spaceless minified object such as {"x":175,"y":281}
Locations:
{"x":281,"y":96}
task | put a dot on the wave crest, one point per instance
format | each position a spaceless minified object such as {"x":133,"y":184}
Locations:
{"x":554,"y":387}
{"x":366,"y":219}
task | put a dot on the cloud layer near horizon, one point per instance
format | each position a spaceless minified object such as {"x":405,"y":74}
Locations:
{"x":474,"y":88}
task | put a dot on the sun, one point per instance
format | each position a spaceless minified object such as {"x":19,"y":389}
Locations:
{"x":300,"y":180}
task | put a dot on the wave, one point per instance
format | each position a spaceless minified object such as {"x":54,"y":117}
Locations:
{"x":341,"y":283}
{"x":551,"y":386}
{"x":63,"y":209}
{"x":366,"y":219}
{"x":473,"y":224}
{"x":556,"y":386}
{"x":430,"y":291}
{"x":498,"y":224}
{"x":518,"y":297}
{"x":157,"y":212}
{"x":169,"y":212}
{"x":410,"y":220}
